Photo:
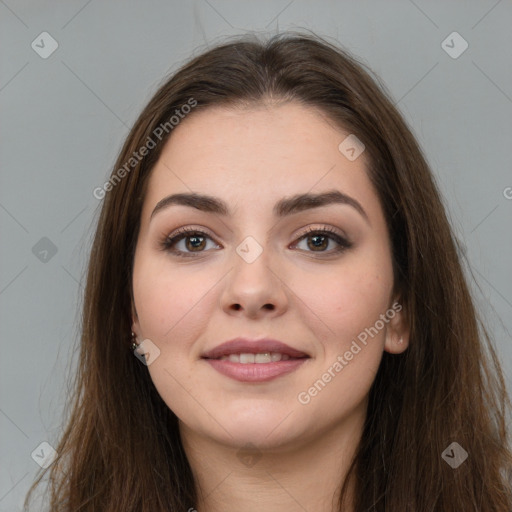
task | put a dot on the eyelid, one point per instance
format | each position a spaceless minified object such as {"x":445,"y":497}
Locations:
{"x":190,"y":228}
{"x":321,"y":227}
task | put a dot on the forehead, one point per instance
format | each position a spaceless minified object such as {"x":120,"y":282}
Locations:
{"x":256,"y":154}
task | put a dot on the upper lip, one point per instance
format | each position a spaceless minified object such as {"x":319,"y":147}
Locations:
{"x":251,"y":346}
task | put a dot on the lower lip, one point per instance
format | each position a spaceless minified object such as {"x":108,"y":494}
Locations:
{"x":255,"y":372}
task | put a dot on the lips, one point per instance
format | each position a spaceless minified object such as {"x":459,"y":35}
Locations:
{"x":247,"y":346}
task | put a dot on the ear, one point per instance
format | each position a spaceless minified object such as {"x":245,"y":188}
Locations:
{"x":397,"y":330}
{"x":135,"y":320}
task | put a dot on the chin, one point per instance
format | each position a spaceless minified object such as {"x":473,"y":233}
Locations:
{"x":268,"y":430}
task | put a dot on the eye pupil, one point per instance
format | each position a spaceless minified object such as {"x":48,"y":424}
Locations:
{"x":318,"y":245}
{"x":193,"y":240}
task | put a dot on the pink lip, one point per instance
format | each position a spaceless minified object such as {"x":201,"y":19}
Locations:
{"x":255,"y":372}
{"x":247,"y":346}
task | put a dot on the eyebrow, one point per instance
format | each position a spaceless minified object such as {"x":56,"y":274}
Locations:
{"x":284,"y":207}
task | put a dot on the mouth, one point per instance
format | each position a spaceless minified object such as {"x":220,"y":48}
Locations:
{"x":257,"y":358}
{"x":261,"y":360}
{"x":254,"y":351}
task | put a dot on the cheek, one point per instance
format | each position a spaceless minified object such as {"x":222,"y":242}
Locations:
{"x":169,"y":302}
{"x":350,"y":297}
{"x":173,"y":308}
{"x":350,"y":304}
{"x":342,"y":295}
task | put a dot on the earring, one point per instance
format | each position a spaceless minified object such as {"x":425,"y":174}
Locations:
{"x":134,"y":341}
{"x":400,"y":341}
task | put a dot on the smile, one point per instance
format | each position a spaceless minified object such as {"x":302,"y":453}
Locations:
{"x":263,"y":357}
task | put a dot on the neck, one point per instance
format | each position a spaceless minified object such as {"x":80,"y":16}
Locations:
{"x":303,"y":475}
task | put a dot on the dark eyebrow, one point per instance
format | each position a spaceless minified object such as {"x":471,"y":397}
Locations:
{"x":282,"y":208}
{"x":301,"y":202}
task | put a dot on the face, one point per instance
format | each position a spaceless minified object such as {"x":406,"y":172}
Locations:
{"x":316,"y":276}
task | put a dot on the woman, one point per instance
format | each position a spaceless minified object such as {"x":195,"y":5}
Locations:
{"x":274,"y":251}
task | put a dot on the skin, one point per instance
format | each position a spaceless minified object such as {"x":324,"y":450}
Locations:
{"x":319,"y":303}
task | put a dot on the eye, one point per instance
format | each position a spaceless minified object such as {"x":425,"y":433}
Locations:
{"x":317,"y":240}
{"x":194,"y":241}
{"x":190,"y":241}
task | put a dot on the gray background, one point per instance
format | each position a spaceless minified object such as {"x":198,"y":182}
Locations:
{"x":64,"y":119}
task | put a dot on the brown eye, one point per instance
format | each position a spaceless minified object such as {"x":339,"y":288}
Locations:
{"x":186,"y":242}
{"x":194,"y":242}
{"x":320,"y":240}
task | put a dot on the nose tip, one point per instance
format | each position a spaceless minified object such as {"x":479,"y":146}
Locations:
{"x":254,"y":288}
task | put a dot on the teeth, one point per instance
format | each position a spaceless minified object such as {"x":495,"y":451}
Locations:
{"x":247,"y":358}
{"x":264,"y":357}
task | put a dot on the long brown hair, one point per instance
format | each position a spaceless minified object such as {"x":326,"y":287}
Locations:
{"x":121,"y":449}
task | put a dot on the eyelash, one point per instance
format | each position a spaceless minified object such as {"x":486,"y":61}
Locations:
{"x":182,"y":233}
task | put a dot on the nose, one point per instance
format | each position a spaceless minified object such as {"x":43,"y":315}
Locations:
{"x":255,"y":289}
